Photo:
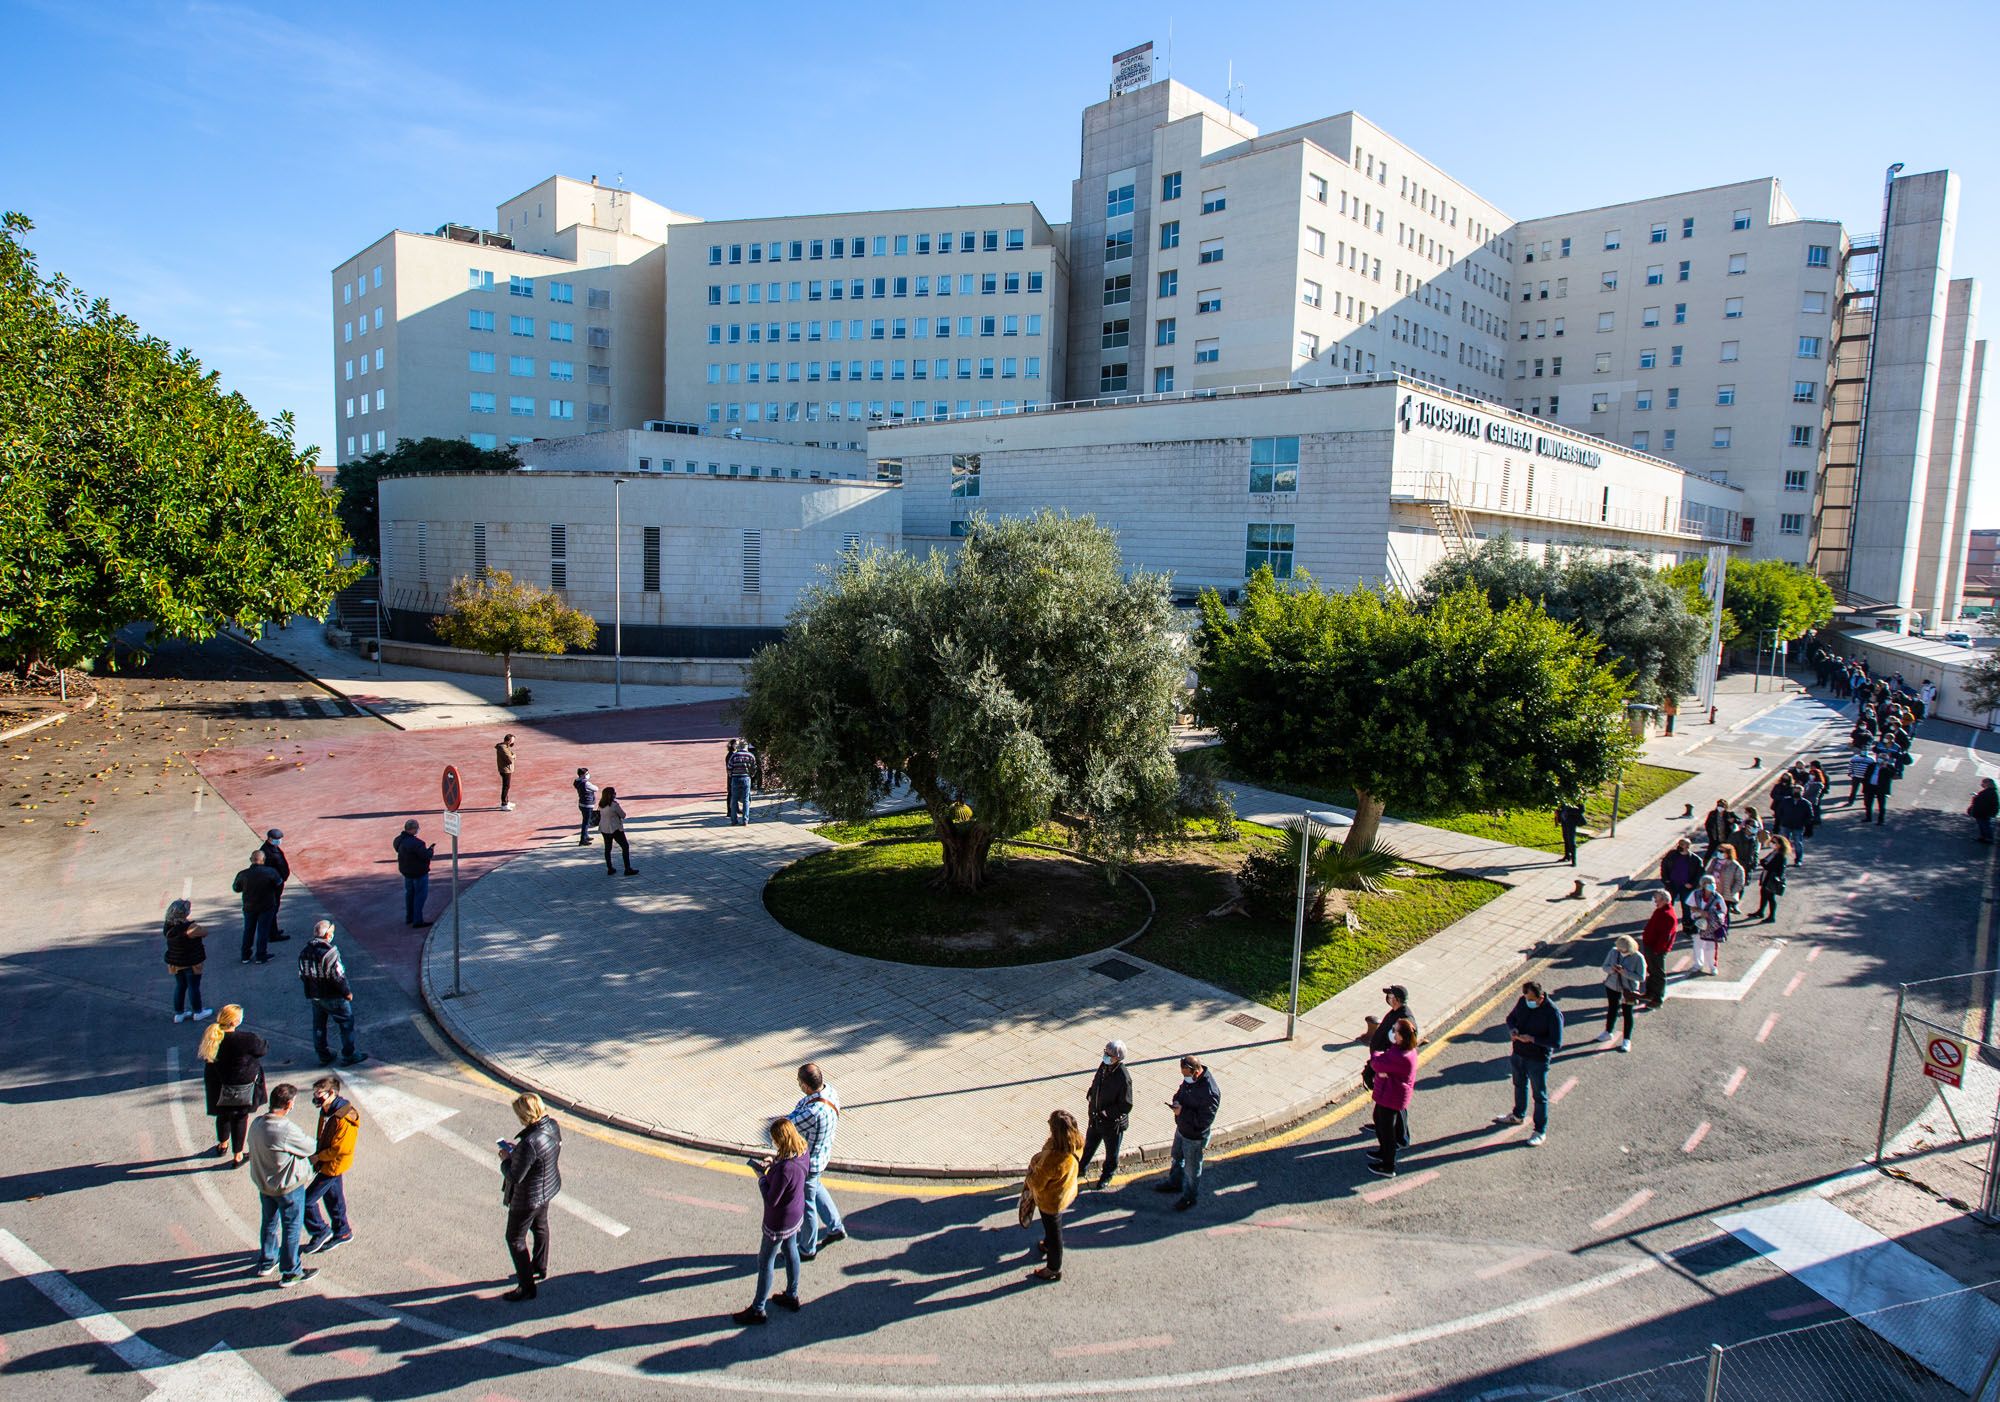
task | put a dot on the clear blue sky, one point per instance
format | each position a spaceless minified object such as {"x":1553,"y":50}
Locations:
{"x":205,"y":165}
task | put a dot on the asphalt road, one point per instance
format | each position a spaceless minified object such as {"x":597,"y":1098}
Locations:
{"x":1486,"y":1269}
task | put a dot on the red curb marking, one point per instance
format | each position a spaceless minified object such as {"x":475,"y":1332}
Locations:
{"x":1797,"y":979}
{"x":876,"y":1360}
{"x":1494,"y":1141}
{"x":355,"y":1358}
{"x":1683,"y":964}
{"x":1624,"y":1209}
{"x":1112,"y":1346}
{"x":183,"y":1238}
{"x":709,"y":1203}
{"x":1560,"y":1091}
{"x":1512,"y":1263}
{"x":1864,"y":878}
{"x":1765,"y":1031}
{"x":1812,"y":954}
{"x":1700,"y":1133}
{"x":1735,"y":1080}
{"x":1801,"y":1311}
{"x":1389,"y":1191}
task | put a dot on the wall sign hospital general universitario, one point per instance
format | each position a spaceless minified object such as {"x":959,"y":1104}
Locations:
{"x":1425,"y":414}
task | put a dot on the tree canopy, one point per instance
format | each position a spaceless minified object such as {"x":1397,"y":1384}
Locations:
{"x":501,"y":616}
{"x":1460,"y":703}
{"x":134,"y":489}
{"x":1028,"y":677}
{"x":1642,"y":619}
{"x":357,"y":479}
{"x":1759,"y":596}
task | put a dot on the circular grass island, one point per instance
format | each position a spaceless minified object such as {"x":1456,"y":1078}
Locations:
{"x":879,"y":894}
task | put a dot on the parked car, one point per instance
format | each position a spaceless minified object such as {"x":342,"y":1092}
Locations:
{"x":1958,"y":639}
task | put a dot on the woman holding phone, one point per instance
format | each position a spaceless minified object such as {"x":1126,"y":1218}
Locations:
{"x":529,"y":1182}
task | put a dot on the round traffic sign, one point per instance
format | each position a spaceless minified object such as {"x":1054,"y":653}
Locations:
{"x":452,"y":792}
{"x":1946,"y":1053}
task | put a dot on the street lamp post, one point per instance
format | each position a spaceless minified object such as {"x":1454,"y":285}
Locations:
{"x":1307,"y":822}
{"x":617,"y":591}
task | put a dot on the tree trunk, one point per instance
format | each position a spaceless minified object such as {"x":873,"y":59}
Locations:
{"x":507,"y":677}
{"x":966,"y":846}
{"x":1367,"y":822}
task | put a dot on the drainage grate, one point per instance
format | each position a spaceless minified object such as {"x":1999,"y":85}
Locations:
{"x":1244,"y":1022}
{"x":1116,"y":968}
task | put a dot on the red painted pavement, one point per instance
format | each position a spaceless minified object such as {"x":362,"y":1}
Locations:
{"x":342,"y":802}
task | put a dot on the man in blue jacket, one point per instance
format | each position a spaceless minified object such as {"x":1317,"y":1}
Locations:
{"x":1537,"y":1028}
{"x":1195,"y":1104}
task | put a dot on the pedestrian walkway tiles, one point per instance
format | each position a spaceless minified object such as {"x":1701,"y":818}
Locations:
{"x":1858,"y":1269}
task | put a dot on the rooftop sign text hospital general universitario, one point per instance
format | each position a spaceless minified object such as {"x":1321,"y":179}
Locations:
{"x":1423,"y":413}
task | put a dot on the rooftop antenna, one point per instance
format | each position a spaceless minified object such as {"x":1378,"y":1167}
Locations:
{"x":1170,"y":48}
{"x":1232,"y":94}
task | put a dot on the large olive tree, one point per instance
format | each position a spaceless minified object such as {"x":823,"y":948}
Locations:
{"x":1028,"y":677}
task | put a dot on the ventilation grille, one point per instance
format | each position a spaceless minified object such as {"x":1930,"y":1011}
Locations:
{"x":651,"y":560}
{"x":423,"y":552}
{"x":478,"y":548}
{"x":753,"y":562}
{"x":1243,"y":1022}
{"x":559,"y":557}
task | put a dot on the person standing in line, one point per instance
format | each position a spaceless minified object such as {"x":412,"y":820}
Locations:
{"x":1380,"y":1033}
{"x":739,"y":767}
{"x":1680,"y":873}
{"x":1108,"y":1111}
{"x":1656,"y":941}
{"x":1536,"y":1027}
{"x":187,"y":951}
{"x":1858,"y":761}
{"x":1624,"y":981}
{"x":232,"y":1077}
{"x":1928,"y":695}
{"x":1791,"y":813}
{"x":611,"y":826}
{"x":586,"y":805}
{"x":1726,"y":875}
{"x":1670,"y":707}
{"x":1050,"y":1189}
{"x":503,"y":760}
{"x":280,"y":1166}
{"x":781,"y":1182}
{"x":1711,"y":927}
{"x":530,"y":1178}
{"x":413,"y":860}
{"x":1814,"y":793}
{"x":1569,"y":817}
{"x":1393,"y":1086}
{"x":1771,"y":875}
{"x":258,"y":885}
{"x":1985,"y":806}
{"x":274,"y":858}
{"x":1195,"y":1104}
{"x":324,"y":979}
{"x":333,"y":1155}
{"x":1875,"y":785}
{"x":1716,"y":824}
{"x":1749,"y":832}
{"x":817,"y":1117}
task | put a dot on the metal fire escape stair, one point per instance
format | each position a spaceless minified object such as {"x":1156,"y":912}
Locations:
{"x":1454,"y":531}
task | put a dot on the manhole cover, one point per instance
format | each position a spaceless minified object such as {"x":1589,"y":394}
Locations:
{"x":1244,"y":1022}
{"x":1116,"y":968}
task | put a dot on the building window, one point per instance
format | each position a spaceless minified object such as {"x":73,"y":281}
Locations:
{"x":521,"y":406}
{"x":1170,"y":185}
{"x":1642,"y":400}
{"x":1164,"y":331}
{"x":1610,"y":279}
{"x":1310,"y":292}
{"x":558,"y":557}
{"x":1650,"y":317}
{"x":965,"y":474}
{"x":1600,"y":403}
{"x":1673,"y":397}
{"x":1814,"y":304}
{"x":1641,"y":441}
{"x":1675,"y":354}
{"x":1725,"y":394}
{"x":1274,"y":464}
{"x":1607,"y":321}
{"x":562,"y":331}
{"x":1808,"y":348}
{"x":479,"y":280}
{"x":1667,"y":441}
{"x":1647,"y":359}
{"x":1721,"y":438}
{"x":520,"y":287}
{"x":1207,"y":352}
{"x":1117,"y":201}
{"x":1602,"y":364}
{"x":1680,"y":313}
{"x":1732,"y":308}
{"x":1740,"y":221}
{"x":1818,"y":255}
{"x":1792,"y":523}
{"x":1170,"y":283}
{"x":562,"y":408}
{"x":521,"y":365}
{"x":478,"y":321}
{"x":1565,"y":248}
{"x":1683,"y":269}
{"x":1804,"y":392}
{"x":1268,"y":545}
{"x":1116,"y":334}
{"x":1658,"y":233}
{"x":564,"y":370}
{"x":1309,"y":345}
{"x":1732,"y":351}
{"x":521,"y":325}
{"x":480,"y":362}
{"x":1316,"y":188}
{"x":1795,"y":479}
{"x":1170,"y":234}
{"x":478,"y":403}
{"x":1117,"y":245}
{"x":1316,"y":241}
{"x":1118,"y":290}
{"x":1214,"y":201}
{"x":1611,"y":239}
{"x":1211,"y":250}
{"x":1656,"y":274}
{"x":1163,"y":379}
{"x":1208,"y":301}
{"x":1802,"y":435}
{"x":1687,"y":228}
{"x":1739,"y":264}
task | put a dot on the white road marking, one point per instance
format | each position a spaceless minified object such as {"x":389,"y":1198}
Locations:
{"x":197,"y":798}
{"x":397,"y":1113}
{"x":217,"y":1376}
{"x":1946,"y":764}
{"x":1715,"y":990}
{"x":488,"y":1159}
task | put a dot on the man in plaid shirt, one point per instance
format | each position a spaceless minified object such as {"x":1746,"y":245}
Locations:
{"x":739,"y":767}
{"x":817,"y":1116}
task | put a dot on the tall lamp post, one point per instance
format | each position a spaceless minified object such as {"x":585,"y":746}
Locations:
{"x":1307,"y":822}
{"x":618,"y":591}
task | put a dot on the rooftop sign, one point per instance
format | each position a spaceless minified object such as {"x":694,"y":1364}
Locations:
{"x":1447,"y":418}
{"x":1132,"y":69}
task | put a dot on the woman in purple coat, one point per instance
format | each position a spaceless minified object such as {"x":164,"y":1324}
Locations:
{"x":782,"y":1180}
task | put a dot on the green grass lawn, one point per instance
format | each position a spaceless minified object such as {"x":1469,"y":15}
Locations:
{"x":875,"y":897}
{"x":1523,"y":827}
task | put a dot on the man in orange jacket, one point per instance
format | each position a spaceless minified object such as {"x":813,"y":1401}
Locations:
{"x":339,"y":1128}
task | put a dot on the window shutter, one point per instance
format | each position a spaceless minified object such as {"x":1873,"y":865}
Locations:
{"x":559,"y":557}
{"x":753,"y":562}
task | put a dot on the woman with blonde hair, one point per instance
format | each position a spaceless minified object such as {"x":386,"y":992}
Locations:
{"x":781,"y":1179}
{"x":530,"y":1178}
{"x":1051,"y":1187}
{"x":232,"y":1074}
{"x":1624,"y":982}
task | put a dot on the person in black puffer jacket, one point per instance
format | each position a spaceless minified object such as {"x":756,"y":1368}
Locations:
{"x":529,"y":1181}
{"x":187,"y":951}
{"x":1109,"y":1106}
{"x":232,"y":1055}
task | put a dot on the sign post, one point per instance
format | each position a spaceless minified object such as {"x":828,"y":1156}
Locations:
{"x":1944,"y":1059}
{"x":453,"y":793}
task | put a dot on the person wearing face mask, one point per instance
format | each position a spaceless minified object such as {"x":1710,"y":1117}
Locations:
{"x":1381,"y":1035}
{"x":339,"y":1128}
{"x":1195,"y":1104}
{"x":1109,"y":1107}
{"x":1536,"y":1025}
{"x":274,"y":858}
{"x":1711,"y":927}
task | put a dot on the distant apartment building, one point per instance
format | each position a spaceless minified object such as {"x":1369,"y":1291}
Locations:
{"x":811,"y":327}
{"x":545,"y":326}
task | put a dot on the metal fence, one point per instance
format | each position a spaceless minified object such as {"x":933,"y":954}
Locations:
{"x":1943,"y":1348}
{"x":1941,"y":1086}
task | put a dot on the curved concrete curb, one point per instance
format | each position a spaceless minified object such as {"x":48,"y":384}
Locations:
{"x":57,"y":719}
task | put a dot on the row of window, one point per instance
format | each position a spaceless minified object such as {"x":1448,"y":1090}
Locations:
{"x":1818,"y":255}
{"x":350,"y":329}
{"x":863,"y":246}
{"x":1810,"y":304}
{"x":359,"y":287}
{"x":855,"y":289}
{"x":880,"y":329}
{"x":481,"y":280}
{"x":523,"y":366}
{"x":381,"y":442}
{"x":1009,"y":367}
{"x":877,"y":411}
{"x":347,"y":367}
{"x":381,"y":398}
{"x":522,"y":406}
{"x":1731,"y":353}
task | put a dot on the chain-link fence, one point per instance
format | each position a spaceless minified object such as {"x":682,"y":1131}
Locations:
{"x":1945,"y":1348}
{"x":1941,"y":1087}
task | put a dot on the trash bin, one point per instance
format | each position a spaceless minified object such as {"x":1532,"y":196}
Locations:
{"x":1638,"y":716}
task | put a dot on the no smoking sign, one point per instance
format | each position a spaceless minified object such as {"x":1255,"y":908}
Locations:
{"x":1944,"y":1059}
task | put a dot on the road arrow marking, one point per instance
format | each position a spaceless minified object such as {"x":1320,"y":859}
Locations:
{"x":217,"y":1376}
{"x":397,"y":1113}
{"x":1714,"y":990}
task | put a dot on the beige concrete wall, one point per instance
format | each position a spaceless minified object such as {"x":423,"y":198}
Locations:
{"x":1942,"y":529}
